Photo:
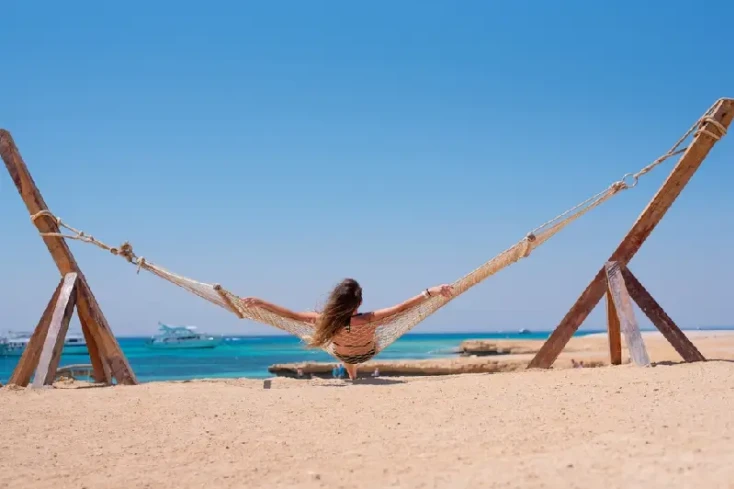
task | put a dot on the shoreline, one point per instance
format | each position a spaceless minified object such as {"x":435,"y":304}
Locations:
{"x":495,"y":356}
{"x":513,"y":333}
{"x":690,"y":333}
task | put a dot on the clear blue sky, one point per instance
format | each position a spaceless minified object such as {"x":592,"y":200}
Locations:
{"x":279,"y":147}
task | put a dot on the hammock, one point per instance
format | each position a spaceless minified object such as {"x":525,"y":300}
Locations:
{"x":391,"y":328}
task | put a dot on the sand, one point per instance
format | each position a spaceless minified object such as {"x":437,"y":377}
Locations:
{"x":666,"y":426}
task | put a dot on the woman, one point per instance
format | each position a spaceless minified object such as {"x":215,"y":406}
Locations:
{"x":352,"y":333}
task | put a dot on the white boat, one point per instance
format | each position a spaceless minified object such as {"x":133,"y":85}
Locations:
{"x":181,"y":337}
{"x":75,"y":344}
{"x":15,"y":343}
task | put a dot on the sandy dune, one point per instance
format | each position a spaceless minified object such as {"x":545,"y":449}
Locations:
{"x":667,"y":426}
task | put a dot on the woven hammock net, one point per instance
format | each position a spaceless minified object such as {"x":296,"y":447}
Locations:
{"x":385,"y":331}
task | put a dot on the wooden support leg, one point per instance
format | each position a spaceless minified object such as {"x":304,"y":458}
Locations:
{"x":111,"y":353}
{"x":689,"y":162}
{"x":626,"y":315}
{"x":21,"y":376}
{"x":59,"y":325}
{"x":660,"y":319}
{"x":615,"y":337}
{"x":100,"y":367}
{"x":90,"y":314}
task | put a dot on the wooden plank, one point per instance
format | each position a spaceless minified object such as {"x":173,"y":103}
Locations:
{"x":54,"y":342}
{"x":685,"y":348}
{"x":23,"y":371}
{"x":100,"y":368}
{"x":615,"y":336}
{"x":626,"y":315}
{"x":88,"y":308}
{"x":112,"y":354}
{"x":687,"y":165}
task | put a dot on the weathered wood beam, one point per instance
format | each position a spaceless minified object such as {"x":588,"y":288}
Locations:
{"x":626,"y":315}
{"x":687,"y":165}
{"x":54,"y":341}
{"x":23,"y":371}
{"x":104,"y":345}
{"x":685,"y":348}
{"x":89,"y":311}
{"x":100,"y":368}
{"x":615,"y":336}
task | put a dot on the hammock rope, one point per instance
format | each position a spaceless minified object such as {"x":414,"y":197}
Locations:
{"x":387,"y":330}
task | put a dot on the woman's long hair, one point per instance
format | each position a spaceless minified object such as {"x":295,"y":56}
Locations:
{"x":341,"y":305}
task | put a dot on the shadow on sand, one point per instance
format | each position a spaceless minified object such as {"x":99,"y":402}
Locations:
{"x":670,"y":363}
{"x":364,"y":381}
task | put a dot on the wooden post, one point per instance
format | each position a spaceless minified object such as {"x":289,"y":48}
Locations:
{"x":660,"y":319}
{"x":689,"y":162}
{"x":615,"y":337}
{"x":23,"y":371}
{"x":102,"y":344}
{"x":100,"y":369}
{"x":59,"y":325}
{"x":626,"y":315}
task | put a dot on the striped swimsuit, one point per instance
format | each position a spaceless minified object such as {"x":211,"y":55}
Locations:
{"x":356,"y":358}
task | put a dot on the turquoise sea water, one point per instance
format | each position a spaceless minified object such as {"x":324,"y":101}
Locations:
{"x":250,"y":356}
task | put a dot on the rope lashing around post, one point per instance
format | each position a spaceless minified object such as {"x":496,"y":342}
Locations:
{"x":718,"y":125}
{"x":125,"y":250}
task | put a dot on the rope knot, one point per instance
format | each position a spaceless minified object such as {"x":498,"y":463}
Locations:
{"x":125,"y":251}
{"x":617,"y":186}
{"x":141,"y":263}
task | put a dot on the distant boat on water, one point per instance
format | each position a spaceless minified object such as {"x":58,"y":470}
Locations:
{"x":181,"y":337}
{"x":14,"y":344}
{"x":75,"y":344}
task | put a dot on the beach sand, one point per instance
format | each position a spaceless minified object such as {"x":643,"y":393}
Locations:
{"x":667,"y":426}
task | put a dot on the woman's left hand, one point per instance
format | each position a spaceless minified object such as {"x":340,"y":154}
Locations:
{"x":445,"y":290}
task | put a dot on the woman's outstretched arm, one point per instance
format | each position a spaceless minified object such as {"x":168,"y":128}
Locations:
{"x":306,"y":316}
{"x":445,"y":290}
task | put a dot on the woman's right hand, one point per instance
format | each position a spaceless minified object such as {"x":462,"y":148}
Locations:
{"x":445,"y":290}
{"x":251,"y":302}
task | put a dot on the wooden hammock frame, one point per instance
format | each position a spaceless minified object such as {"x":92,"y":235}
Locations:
{"x":43,"y":352}
{"x":619,"y":284}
